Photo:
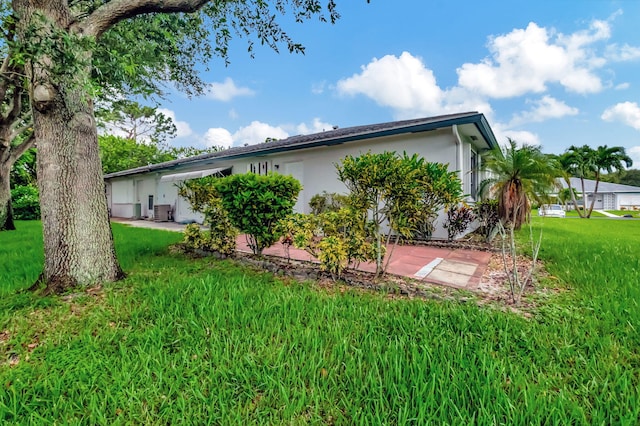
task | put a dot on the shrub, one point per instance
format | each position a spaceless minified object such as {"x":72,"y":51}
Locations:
{"x":336,"y":239}
{"x":327,"y":202}
{"x":486,"y":212}
{"x":255,"y":204}
{"x":402,"y":191}
{"x":202,"y":196}
{"x":458,"y":220}
{"x":26,"y":202}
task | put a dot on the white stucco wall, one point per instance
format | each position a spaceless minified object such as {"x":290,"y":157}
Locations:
{"x":628,"y":201}
{"x":315,"y":167}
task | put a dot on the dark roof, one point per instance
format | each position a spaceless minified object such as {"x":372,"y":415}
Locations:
{"x":590,"y":186}
{"x":330,"y":137}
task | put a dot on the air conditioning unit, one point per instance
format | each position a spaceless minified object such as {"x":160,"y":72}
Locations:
{"x":162,"y":212}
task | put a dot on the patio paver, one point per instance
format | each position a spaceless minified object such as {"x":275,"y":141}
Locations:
{"x":459,"y":268}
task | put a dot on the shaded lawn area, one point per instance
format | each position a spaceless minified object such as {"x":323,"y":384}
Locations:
{"x":203,"y":341}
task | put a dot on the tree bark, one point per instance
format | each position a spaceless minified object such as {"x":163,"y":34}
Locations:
{"x":78,"y":242}
{"x":6,"y":212}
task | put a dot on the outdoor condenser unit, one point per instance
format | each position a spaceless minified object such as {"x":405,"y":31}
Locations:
{"x":161,"y":212}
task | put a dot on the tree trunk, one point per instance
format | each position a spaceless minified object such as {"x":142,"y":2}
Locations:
{"x":6,"y":212}
{"x":595,"y":191}
{"x":78,"y":242}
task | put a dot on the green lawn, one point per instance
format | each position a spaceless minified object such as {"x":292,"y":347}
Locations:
{"x":209,"y":342}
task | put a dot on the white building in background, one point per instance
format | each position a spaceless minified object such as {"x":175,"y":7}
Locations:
{"x":610,"y":196}
{"x":150,"y":192}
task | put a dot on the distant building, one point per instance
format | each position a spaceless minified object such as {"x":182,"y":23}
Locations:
{"x":610,"y":196}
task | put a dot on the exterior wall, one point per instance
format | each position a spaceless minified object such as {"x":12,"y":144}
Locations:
{"x":628,"y":201}
{"x":145,"y":187}
{"x":318,"y":165}
{"x":122,"y":193}
{"x":610,"y":201}
{"x":314,"y":167}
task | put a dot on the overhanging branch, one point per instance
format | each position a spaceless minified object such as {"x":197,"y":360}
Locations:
{"x":18,"y":150}
{"x":115,"y":11}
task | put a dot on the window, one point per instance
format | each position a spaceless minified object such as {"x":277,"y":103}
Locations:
{"x":474,"y":174}
{"x":260,"y":167}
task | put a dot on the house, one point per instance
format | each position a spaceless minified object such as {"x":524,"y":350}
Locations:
{"x":456,"y":140}
{"x":610,"y":196}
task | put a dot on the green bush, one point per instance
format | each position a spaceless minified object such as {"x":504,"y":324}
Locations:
{"x":26,"y":202}
{"x":402,"y":192}
{"x":327,"y":202}
{"x":486,"y":212}
{"x":202,"y":196}
{"x":458,"y":220}
{"x":255,"y":204}
{"x":336,"y":239}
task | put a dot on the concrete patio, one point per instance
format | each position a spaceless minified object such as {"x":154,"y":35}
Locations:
{"x":458,"y":268}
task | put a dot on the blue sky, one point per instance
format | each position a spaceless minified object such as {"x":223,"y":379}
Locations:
{"x":553,"y":73}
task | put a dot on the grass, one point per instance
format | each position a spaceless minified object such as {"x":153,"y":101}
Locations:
{"x":208,"y":342}
{"x":634,"y":213}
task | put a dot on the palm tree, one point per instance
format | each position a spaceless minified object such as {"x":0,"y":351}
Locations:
{"x":580,"y":162}
{"x":609,"y":159}
{"x":585,"y":162}
{"x":517,"y":176}
{"x":567,"y":168}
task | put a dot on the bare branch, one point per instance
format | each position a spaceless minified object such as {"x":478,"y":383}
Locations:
{"x":109,"y":14}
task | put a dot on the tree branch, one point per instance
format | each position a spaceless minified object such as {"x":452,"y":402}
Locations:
{"x":4,"y":79}
{"x":18,"y":150}
{"x":109,"y":14}
{"x":15,"y":105}
{"x":17,"y":131}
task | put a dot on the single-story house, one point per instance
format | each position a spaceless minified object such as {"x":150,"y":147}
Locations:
{"x":456,"y":139}
{"x":610,"y":196}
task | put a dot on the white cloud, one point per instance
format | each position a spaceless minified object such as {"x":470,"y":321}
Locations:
{"x":622,"y":53}
{"x":522,"y":137}
{"x":622,"y":86}
{"x":543,"y":109}
{"x":217,"y":136}
{"x":526,"y":60}
{"x":227,"y":90}
{"x":634,"y":153}
{"x":257,"y":132}
{"x":402,"y":83}
{"x":318,"y":88}
{"x":183,"y":129}
{"x":503,"y":133}
{"x":233,"y":114}
{"x":627,"y":113}
{"x":316,"y":126}
{"x":407,"y":86}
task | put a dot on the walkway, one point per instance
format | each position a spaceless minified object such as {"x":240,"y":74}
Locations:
{"x":450,"y":267}
{"x":605,"y":213}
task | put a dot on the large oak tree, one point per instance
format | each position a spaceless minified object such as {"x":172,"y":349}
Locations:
{"x":57,"y":43}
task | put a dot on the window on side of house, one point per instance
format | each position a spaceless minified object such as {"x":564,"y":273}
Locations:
{"x":259,"y":167}
{"x":474,"y":175}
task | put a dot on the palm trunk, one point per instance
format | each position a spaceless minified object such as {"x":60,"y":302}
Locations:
{"x":78,"y":243}
{"x":583,"y":214}
{"x":595,"y":191}
{"x":573,"y":197}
